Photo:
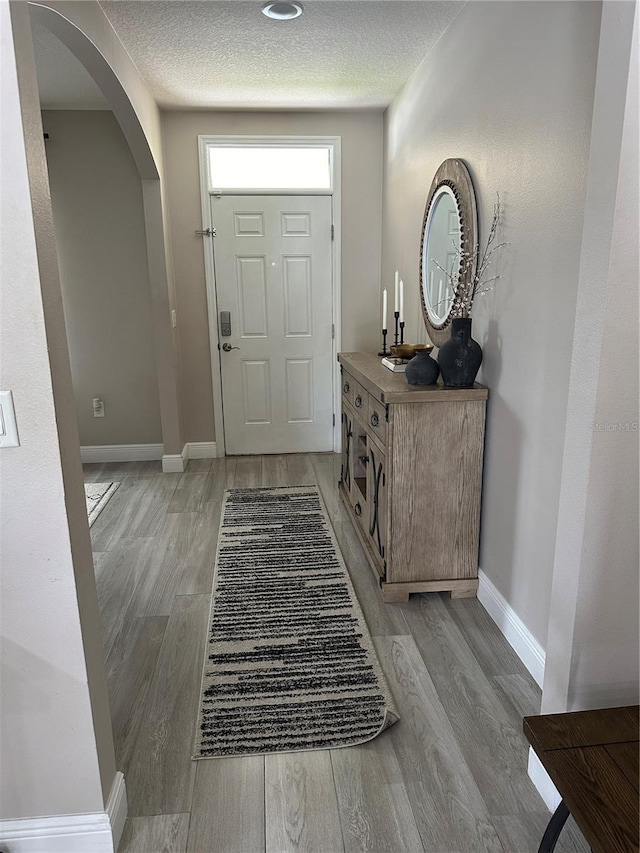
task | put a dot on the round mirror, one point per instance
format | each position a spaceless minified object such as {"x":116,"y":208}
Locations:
{"x":448,"y":246}
{"x":441,"y":254}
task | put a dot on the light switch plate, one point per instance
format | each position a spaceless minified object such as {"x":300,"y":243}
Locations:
{"x":8,"y":426}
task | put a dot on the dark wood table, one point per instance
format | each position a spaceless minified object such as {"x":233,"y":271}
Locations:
{"x":592,"y":759}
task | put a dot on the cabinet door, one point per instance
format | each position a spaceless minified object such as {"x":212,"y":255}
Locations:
{"x":377,"y":490}
{"x":347,"y":450}
{"x":360,"y":479}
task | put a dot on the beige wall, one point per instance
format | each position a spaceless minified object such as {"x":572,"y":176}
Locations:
{"x":593,"y":643}
{"x":361,"y":135}
{"x":100,"y":233}
{"x":606,"y":664}
{"x":509,"y":89}
{"x":56,"y":743}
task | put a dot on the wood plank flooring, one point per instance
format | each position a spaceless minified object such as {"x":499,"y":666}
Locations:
{"x":450,"y":777}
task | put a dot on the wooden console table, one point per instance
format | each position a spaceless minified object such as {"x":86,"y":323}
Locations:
{"x":592,"y":759}
{"x":412,"y":477}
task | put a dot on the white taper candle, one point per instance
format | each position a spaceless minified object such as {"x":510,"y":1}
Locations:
{"x":384,"y":309}
{"x":401,"y":301}
{"x":395,"y":304}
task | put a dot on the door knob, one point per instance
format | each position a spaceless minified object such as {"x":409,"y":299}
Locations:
{"x":227,"y":347}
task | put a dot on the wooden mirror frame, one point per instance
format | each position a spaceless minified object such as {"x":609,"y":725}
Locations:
{"x":454,"y":174}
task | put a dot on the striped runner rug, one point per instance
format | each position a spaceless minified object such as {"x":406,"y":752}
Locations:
{"x":289,"y":663}
{"x":97,"y":496}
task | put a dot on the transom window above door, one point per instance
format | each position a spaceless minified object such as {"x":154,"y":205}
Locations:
{"x":269,"y":168}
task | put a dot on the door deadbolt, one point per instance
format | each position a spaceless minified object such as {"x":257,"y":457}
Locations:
{"x":228,"y":347}
{"x":225,"y":323}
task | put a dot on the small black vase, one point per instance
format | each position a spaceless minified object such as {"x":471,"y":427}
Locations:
{"x":422,"y":369}
{"x":460,"y":357}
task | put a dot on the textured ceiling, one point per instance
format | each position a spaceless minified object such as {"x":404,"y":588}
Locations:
{"x":225,"y":54}
{"x":63,"y":82}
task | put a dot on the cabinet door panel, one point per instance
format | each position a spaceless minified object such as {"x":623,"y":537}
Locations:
{"x":377,"y":529}
{"x":437,"y":483}
{"x":347,"y":450}
{"x":360,"y":480}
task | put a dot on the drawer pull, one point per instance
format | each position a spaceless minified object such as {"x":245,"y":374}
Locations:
{"x":345,"y":388}
{"x":364,"y":460}
{"x":358,"y":510}
{"x":358,"y":402}
{"x":375,"y":419}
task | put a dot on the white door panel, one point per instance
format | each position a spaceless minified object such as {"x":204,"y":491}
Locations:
{"x":272,"y":257}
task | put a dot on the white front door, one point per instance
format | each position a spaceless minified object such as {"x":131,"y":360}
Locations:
{"x":272,"y":258}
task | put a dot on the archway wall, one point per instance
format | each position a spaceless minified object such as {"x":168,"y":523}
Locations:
{"x":83,"y":27}
{"x":57,"y":747}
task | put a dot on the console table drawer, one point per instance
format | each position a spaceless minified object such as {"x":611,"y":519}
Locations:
{"x":360,"y":397}
{"x":348,"y":383}
{"x":377,"y":418}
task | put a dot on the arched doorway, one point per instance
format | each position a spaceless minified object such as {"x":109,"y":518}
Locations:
{"x":139,"y":139}
{"x":52,"y":571}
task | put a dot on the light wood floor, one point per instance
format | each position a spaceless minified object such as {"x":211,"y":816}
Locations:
{"x":450,"y":777}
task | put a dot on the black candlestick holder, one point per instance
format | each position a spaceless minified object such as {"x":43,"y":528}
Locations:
{"x":384,"y":351}
{"x":396,"y":315}
{"x":401,"y":333}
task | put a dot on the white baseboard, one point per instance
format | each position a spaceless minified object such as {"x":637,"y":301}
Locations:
{"x":201,"y":450}
{"x":515,"y":631}
{"x":75,"y":833}
{"x":121,"y":452}
{"x":171,"y":462}
{"x":82,"y":833}
{"x":543,"y":783}
{"x":117,"y":808}
{"x":532,"y":656}
{"x":175,"y":463}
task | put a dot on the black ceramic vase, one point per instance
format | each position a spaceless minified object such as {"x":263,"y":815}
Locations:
{"x":422,"y":369}
{"x":460,"y":357}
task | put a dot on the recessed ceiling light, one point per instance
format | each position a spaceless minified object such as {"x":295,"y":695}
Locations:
{"x":282,"y":11}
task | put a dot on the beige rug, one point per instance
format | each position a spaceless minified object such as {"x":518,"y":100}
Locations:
{"x":97,"y":496}
{"x":289,"y":663}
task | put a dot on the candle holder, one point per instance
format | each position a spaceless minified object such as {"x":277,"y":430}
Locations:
{"x":396,"y":315}
{"x":384,"y":351}
{"x":401,"y":333}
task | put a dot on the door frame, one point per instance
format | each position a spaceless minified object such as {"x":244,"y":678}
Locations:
{"x":333,"y":144}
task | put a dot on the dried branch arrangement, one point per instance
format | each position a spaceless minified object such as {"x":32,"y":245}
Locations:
{"x":465,"y":285}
